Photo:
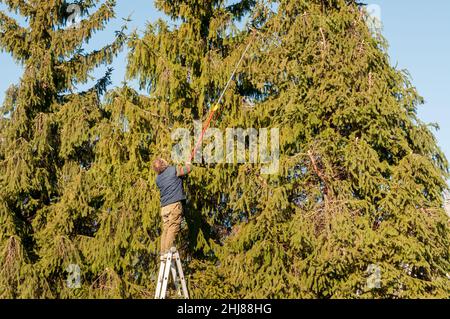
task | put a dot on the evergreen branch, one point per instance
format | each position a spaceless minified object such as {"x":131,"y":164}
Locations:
{"x":7,"y":22}
{"x":68,"y":40}
{"x":12,"y":37}
{"x":101,"y":86}
{"x":239,"y":9}
{"x":19,"y":6}
{"x":81,"y":64}
{"x":154,"y":114}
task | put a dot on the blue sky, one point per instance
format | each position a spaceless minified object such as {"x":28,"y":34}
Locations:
{"x":419,"y":37}
{"x":418,"y":33}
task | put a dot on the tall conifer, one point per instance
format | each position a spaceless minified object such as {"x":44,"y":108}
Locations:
{"x":46,"y":142}
{"x":359,"y":191}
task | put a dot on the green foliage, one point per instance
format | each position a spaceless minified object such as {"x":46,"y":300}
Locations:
{"x":47,"y":144}
{"x":360,"y":182}
{"x":361,"y":176}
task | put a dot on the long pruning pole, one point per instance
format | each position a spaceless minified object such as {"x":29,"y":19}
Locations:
{"x":217,"y":105}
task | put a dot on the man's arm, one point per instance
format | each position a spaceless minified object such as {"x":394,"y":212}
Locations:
{"x":183,"y":170}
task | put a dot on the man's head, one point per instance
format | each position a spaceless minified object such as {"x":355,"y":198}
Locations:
{"x":160,"y":165}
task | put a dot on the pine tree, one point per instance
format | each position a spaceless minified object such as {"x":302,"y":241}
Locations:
{"x":47,"y":143}
{"x":124,"y":251}
{"x":359,"y":189}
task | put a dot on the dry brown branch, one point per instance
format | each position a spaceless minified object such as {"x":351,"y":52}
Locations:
{"x":324,"y":41}
{"x":322,"y":177}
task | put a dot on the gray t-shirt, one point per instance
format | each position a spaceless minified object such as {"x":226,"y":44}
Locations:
{"x":170,"y":187}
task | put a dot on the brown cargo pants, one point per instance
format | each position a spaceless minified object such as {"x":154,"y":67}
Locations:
{"x":171,"y":217}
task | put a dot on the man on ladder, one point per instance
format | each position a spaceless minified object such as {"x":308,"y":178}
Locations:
{"x":172,"y":195}
{"x":170,"y":185}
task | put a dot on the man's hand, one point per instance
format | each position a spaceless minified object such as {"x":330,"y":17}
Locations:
{"x":183,"y":170}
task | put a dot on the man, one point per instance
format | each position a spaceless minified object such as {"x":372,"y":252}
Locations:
{"x":170,"y":184}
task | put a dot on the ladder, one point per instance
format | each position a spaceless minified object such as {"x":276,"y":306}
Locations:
{"x":170,"y":262}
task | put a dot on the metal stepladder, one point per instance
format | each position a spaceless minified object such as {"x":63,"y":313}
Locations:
{"x":170,"y":263}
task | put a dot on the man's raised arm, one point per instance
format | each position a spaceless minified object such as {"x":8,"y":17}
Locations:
{"x":183,"y":170}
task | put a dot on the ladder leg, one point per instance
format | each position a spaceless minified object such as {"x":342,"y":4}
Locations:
{"x":181,"y":274}
{"x":174,"y":277}
{"x":160,"y":277}
{"x":166,"y":275}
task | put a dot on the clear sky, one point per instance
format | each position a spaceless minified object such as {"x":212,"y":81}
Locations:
{"x":419,"y":37}
{"x":418,"y":33}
